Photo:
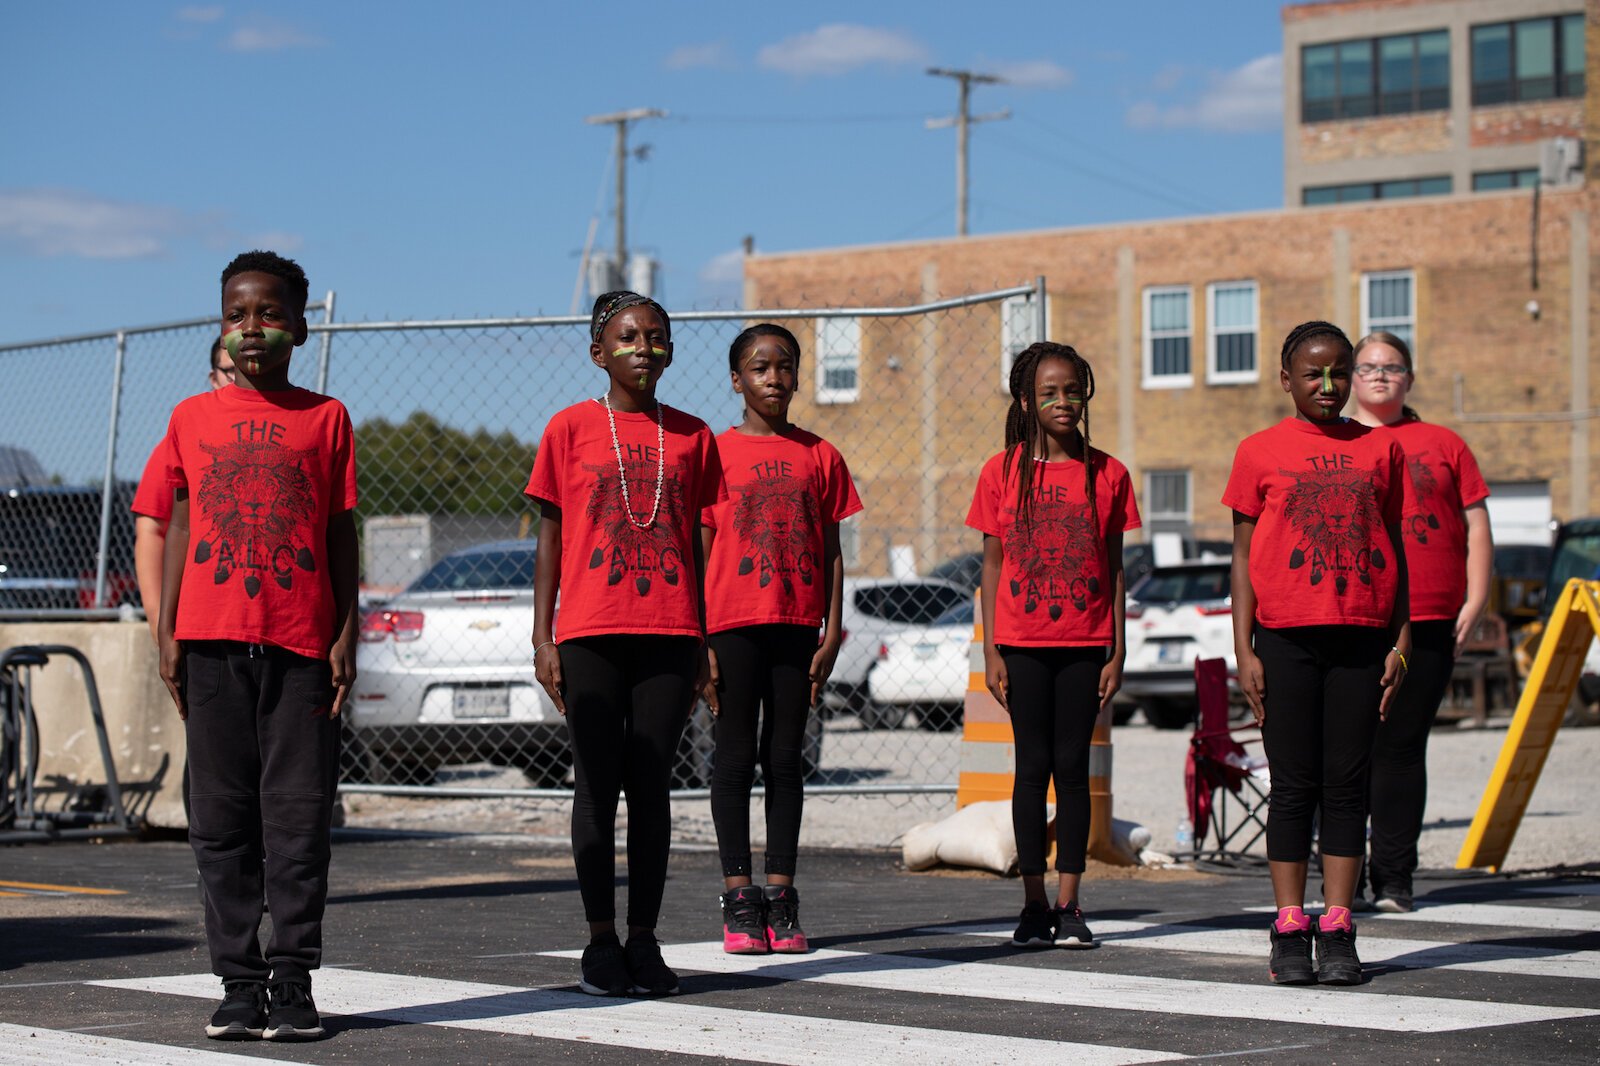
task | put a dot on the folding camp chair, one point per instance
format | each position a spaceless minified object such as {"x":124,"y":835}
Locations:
{"x":1225,"y":785}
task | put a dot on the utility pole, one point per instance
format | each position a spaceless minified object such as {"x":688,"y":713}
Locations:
{"x":961,"y":120}
{"x":620,"y":120}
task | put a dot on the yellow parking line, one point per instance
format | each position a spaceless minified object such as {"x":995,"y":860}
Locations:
{"x":72,"y":889}
{"x":14,"y":895}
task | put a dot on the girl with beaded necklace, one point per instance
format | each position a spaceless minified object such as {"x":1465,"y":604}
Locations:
{"x":621,"y":481}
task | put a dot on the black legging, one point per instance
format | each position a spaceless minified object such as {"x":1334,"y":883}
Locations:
{"x":627,"y":699}
{"x":1400,"y":757}
{"x":1323,"y":689}
{"x":761,"y":666}
{"x":1054,"y":696}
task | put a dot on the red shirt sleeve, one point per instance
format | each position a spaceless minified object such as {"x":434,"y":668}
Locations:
{"x":984,"y":514}
{"x":1246,"y":491}
{"x":544,"y":482}
{"x":713,"y":488}
{"x":343,"y":493}
{"x":1469,"y":479}
{"x":154,"y":496}
{"x":839,"y":499}
{"x":1124,"y":508}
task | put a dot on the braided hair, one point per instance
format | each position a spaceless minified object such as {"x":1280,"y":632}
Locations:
{"x":608,"y":304}
{"x":1022,"y":425}
{"x":1381,"y":336}
{"x":1307,"y":330}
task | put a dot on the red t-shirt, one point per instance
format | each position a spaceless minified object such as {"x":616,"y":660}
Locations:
{"x":1055,"y":583}
{"x":1322,"y":497}
{"x":153,"y":498}
{"x":616,"y":577}
{"x":265,"y":472}
{"x":1442,"y":481}
{"x":766,"y":559}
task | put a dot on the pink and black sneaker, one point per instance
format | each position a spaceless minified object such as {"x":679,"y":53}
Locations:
{"x":783,"y":920}
{"x":744,"y":921}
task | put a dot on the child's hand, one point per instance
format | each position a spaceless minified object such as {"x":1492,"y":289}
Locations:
{"x":547,"y":671}
{"x":995,"y":677}
{"x":342,"y":660}
{"x":711,"y":689}
{"x":1110,"y":681}
{"x":822,"y":668}
{"x":1394,"y":672}
{"x":171,"y":667}
{"x":1253,"y":683}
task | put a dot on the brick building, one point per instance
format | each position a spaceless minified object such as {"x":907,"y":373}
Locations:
{"x":1182,"y":321}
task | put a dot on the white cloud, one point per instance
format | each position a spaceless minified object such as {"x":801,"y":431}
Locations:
{"x":724,"y":269}
{"x":839,"y":47}
{"x":1031,"y":73}
{"x":199,"y":14}
{"x":270,"y":36}
{"x":68,"y":222}
{"x":690,"y":56}
{"x":1247,"y":99}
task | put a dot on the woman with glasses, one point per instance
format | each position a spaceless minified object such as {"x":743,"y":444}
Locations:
{"x":1448,"y":556}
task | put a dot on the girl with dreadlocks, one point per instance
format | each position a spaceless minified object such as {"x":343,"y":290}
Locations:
{"x":621,"y":481}
{"x":1321,"y":633}
{"x":1052,"y":511}
{"x":1449,"y":554}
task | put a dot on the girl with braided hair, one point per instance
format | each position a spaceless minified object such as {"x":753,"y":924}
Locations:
{"x":1321,"y":631}
{"x":1052,"y":511}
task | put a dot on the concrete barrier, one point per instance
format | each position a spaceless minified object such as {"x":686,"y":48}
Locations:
{"x":147,"y":740}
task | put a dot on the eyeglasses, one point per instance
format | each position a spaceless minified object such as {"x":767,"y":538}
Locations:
{"x":1388,"y":370}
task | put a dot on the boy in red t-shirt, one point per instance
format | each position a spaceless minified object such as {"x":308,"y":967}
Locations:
{"x":257,"y":631}
{"x":1052,"y":511}
{"x":774,"y":574}
{"x":1321,"y":633}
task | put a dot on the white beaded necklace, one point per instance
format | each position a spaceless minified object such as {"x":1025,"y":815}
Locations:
{"x":661,"y":463}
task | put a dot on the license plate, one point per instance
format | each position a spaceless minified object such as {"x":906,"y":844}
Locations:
{"x":482,"y":702}
{"x":925,"y":651}
{"x":1170,"y":651}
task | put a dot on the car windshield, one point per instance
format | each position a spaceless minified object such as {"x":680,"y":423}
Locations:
{"x":1577,"y":556}
{"x":913,"y":603}
{"x":479,"y":570}
{"x":959,"y":615}
{"x":1187,"y":585}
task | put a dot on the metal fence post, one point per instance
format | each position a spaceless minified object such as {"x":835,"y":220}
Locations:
{"x":327,"y":345}
{"x":1041,"y":311}
{"x":106,"y":494}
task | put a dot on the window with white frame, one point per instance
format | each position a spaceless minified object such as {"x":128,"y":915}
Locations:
{"x":1168,"y":319}
{"x":1019,"y":327}
{"x":1389,"y":303}
{"x":1166,"y":495}
{"x":1232,"y":325}
{"x":838,"y":351}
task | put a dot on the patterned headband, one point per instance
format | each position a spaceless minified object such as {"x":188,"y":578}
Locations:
{"x":621,"y":303}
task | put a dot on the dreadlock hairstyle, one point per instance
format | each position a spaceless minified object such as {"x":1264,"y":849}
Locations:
{"x":1380,"y":336}
{"x":608,"y":304}
{"x":259,"y":262}
{"x":746,"y":340}
{"x":1304,"y":332}
{"x":1022,"y":426}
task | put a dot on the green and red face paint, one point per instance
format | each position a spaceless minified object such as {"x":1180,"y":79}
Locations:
{"x":278,"y":343}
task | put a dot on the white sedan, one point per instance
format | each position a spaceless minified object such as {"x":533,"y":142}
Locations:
{"x":925,"y":669}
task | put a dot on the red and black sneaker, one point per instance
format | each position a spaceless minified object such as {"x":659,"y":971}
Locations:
{"x":744,"y":921}
{"x":783,"y":920}
{"x":1291,"y":957}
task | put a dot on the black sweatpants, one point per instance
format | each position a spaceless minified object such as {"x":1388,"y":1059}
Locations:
{"x":1054,"y":699}
{"x":761,"y":666}
{"x":627,"y":699}
{"x":1399,"y":791}
{"x":1323,"y":690}
{"x":263,"y":770}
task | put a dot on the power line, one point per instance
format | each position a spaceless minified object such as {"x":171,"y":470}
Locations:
{"x":961,"y":120}
{"x":1121,"y":181}
{"x":795,"y":120}
{"x":1110,"y":157}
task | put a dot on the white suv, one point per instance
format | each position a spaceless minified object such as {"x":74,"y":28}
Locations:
{"x":1176,"y":614}
{"x":874,"y":609}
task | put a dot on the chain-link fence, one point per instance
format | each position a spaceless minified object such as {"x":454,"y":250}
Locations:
{"x":448,"y":415}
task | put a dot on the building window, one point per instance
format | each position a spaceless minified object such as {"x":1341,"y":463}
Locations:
{"x":1231,"y":329}
{"x":838,"y":350}
{"x":1019,"y":327}
{"x":1535,"y":59}
{"x":1375,"y":76}
{"x":1489,"y":180}
{"x":1168,"y":313}
{"x":1389,"y":303}
{"x":1166,"y":496}
{"x":1355,"y":192}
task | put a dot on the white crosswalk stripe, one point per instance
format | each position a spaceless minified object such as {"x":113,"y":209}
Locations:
{"x":658,"y":1025}
{"x":26,"y":1045}
{"x":1545,"y":919}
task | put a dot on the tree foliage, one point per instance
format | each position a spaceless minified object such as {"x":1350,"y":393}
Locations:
{"x":422,"y":466}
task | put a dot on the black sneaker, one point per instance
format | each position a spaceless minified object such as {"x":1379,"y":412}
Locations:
{"x":783,"y":920}
{"x":605,"y":972}
{"x":651,"y":976}
{"x":1071,"y":930}
{"x":292,"y":1015}
{"x":1036,"y":928}
{"x":1395,"y":900}
{"x":243,"y":1014}
{"x":1291,"y":958}
{"x":744,"y":921}
{"x":1337,"y":962}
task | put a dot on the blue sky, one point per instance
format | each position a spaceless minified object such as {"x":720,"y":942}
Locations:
{"x":430,"y":160}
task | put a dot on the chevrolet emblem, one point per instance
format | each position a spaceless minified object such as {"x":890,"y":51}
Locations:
{"x":485,"y":625}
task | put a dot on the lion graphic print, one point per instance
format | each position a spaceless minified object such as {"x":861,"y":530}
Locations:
{"x":1422,"y":509}
{"x":255,"y":505}
{"x":1052,"y":559}
{"x":1337,"y":517}
{"x":623,"y":550}
{"x":776,"y":520}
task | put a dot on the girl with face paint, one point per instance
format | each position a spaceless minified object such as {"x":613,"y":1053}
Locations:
{"x":621,"y":481}
{"x":1321,"y":633}
{"x":1449,"y":552}
{"x":1052,"y":511}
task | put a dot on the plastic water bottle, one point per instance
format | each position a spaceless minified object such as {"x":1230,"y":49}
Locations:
{"x":1185,"y":835}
